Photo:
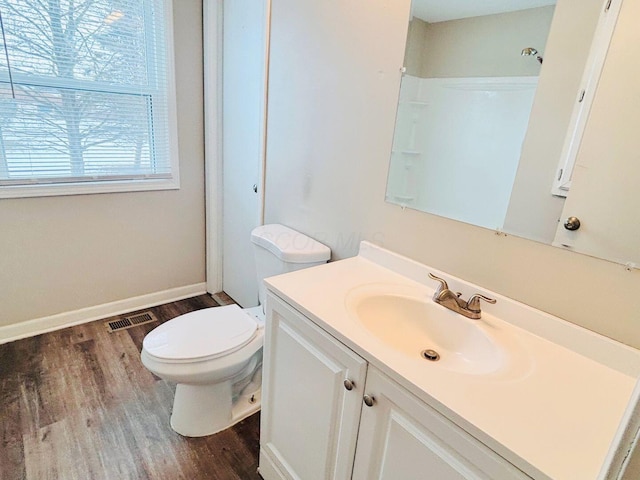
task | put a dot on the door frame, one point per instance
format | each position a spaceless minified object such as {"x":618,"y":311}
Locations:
{"x":212,"y":11}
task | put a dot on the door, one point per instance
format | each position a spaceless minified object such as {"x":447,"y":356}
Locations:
{"x":401,"y":437}
{"x":244,"y":68}
{"x":604,"y":184}
{"x":309,"y":416}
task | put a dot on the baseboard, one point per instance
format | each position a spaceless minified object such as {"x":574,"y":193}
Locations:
{"x":29,"y":328}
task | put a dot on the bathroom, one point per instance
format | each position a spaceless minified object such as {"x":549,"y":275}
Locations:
{"x":333,"y":92}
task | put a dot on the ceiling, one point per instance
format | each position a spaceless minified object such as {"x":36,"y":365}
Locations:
{"x":432,"y":11}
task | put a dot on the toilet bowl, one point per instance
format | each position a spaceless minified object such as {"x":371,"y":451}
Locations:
{"x":214,"y":355}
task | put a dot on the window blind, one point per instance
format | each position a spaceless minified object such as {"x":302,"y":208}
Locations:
{"x":83,"y":92}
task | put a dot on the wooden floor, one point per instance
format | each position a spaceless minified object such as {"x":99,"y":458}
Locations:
{"x":79,"y":404}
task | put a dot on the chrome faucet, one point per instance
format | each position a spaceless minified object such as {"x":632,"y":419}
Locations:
{"x":452,"y":301}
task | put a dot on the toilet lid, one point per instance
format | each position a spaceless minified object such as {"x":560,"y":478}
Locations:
{"x":204,"y":333}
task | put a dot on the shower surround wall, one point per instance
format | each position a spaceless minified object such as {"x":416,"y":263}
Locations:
{"x":457,"y":145}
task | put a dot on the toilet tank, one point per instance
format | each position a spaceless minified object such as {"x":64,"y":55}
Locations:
{"x":279,"y":249}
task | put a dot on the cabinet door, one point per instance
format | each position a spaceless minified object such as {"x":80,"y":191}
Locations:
{"x":309,"y":419}
{"x":403,"y":438}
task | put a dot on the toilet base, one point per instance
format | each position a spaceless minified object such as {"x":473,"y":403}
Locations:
{"x":201,"y":410}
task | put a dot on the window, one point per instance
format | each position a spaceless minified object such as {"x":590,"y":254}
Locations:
{"x":85,"y":97}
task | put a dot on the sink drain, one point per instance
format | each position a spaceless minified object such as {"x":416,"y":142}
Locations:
{"x":430,"y":355}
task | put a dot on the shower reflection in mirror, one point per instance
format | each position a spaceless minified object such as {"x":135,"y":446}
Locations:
{"x":464,"y":107}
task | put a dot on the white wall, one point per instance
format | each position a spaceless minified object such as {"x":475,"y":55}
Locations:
{"x":334,"y":82}
{"x":59,"y":254}
{"x":486,"y":46}
{"x":416,"y":41}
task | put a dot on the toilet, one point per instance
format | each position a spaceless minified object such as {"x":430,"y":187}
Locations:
{"x":214,"y":355}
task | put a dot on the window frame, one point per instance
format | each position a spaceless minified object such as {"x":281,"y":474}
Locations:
{"x":116,"y":185}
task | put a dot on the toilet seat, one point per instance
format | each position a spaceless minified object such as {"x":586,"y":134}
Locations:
{"x":220,"y":331}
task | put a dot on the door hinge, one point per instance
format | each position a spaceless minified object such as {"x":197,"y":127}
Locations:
{"x":582,"y":94}
{"x":560,"y":174}
{"x":607,"y":6}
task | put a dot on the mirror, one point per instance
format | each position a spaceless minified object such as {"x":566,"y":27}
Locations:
{"x":488,"y":108}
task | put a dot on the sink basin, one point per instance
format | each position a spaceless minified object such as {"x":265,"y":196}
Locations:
{"x":408,"y":321}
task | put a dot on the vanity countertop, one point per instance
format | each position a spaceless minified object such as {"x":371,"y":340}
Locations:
{"x":553,"y":412}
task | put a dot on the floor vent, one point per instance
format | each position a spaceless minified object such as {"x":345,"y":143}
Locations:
{"x":130,"y":321}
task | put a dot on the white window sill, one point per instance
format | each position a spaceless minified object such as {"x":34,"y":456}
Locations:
{"x":87,"y":188}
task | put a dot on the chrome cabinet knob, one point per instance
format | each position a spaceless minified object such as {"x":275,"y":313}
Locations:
{"x":348,"y":384}
{"x":572,"y":223}
{"x":369,"y":400}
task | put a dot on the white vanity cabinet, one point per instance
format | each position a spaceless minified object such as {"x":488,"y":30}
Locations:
{"x":400,"y":437}
{"x":311,"y":419}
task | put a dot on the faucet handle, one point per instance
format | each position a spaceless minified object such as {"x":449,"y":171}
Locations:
{"x":443,"y":283}
{"x":474,"y":302}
